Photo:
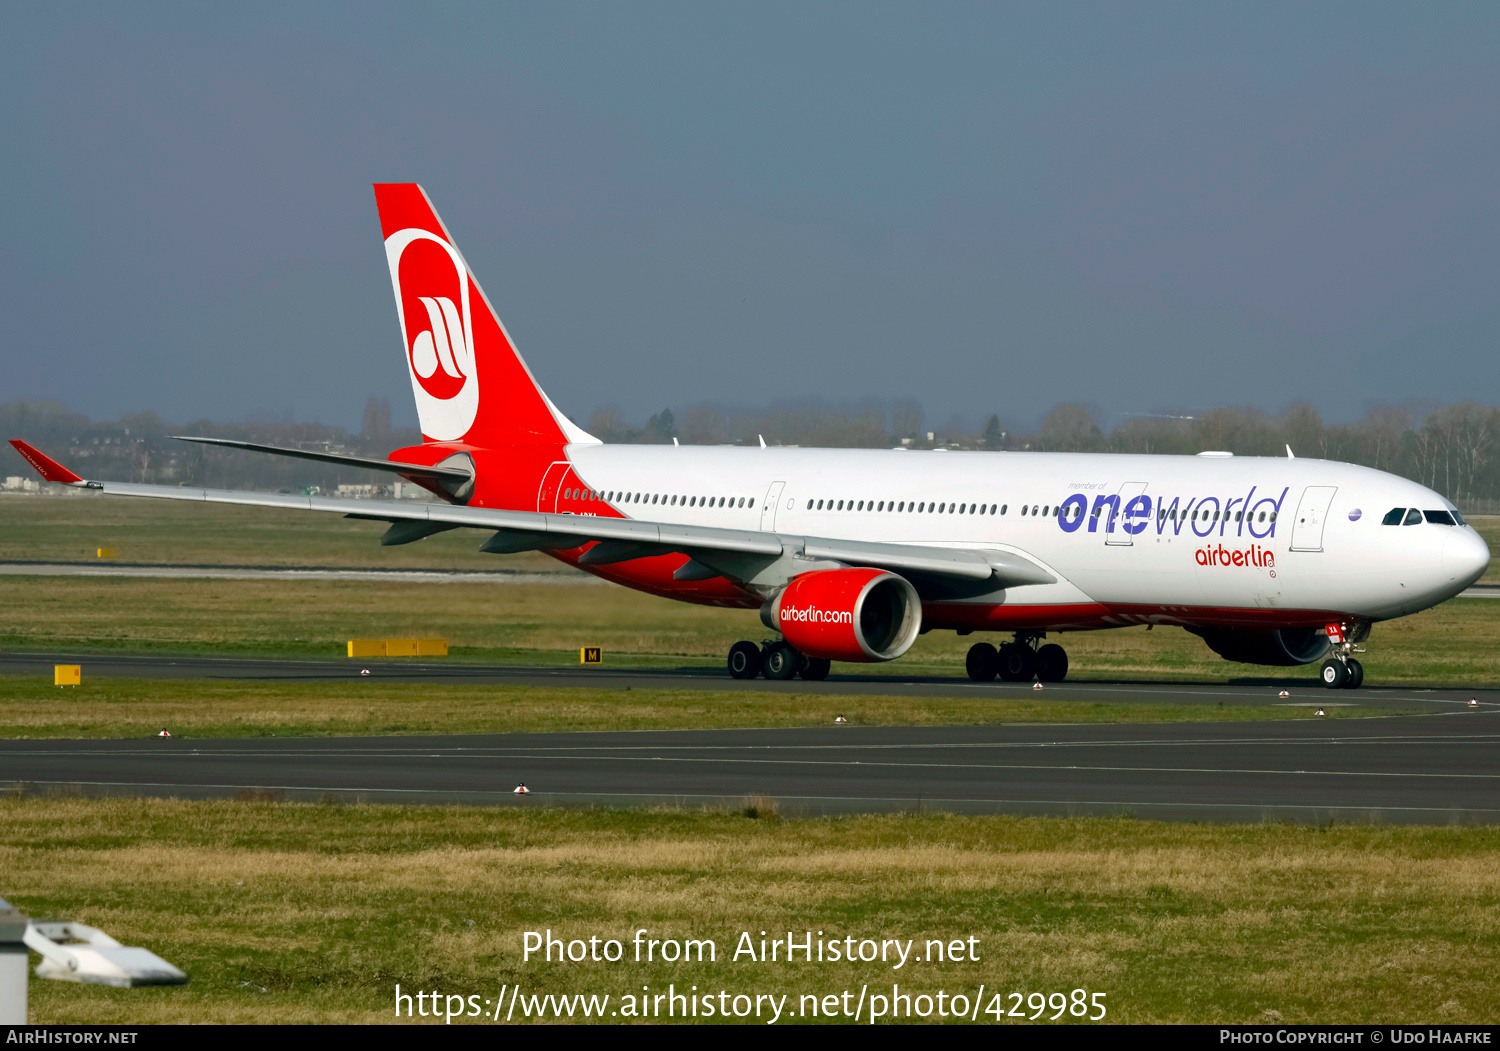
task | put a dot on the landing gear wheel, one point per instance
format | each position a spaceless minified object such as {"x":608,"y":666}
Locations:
{"x":982,"y":663}
{"x":744,"y":660}
{"x":815,"y":669}
{"x":1017,"y":662}
{"x":1334,"y":674}
{"x":779,"y":661}
{"x":1051,"y":663}
{"x":1356,"y":675}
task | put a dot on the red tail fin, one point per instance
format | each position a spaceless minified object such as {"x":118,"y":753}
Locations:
{"x":469,"y":382}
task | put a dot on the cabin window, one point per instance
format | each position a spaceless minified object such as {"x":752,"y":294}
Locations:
{"x":881,"y":507}
{"x":1023,"y":509}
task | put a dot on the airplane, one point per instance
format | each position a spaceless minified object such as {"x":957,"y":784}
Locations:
{"x":850,"y":554}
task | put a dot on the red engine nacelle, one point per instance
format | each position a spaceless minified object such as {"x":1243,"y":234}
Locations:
{"x":847,"y":614}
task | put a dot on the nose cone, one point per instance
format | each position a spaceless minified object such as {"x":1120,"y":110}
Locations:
{"x":1465,"y":557}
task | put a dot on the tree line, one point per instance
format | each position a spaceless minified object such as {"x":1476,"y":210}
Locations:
{"x":1450,"y":448}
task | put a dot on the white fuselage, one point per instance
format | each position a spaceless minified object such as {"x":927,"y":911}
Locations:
{"x":1151,"y":537}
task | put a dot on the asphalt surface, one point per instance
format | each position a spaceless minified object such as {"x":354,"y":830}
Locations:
{"x":1301,"y":684}
{"x":1437,"y":769}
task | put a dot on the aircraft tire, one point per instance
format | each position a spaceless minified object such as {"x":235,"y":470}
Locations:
{"x":815,"y":669}
{"x":744,"y":660}
{"x":1051,"y":663}
{"x":1356,"y":675}
{"x":982,"y":663}
{"x":780,"y":661}
{"x":1017,"y":662}
{"x":1333,"y":673}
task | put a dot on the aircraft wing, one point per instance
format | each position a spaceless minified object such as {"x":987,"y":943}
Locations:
{"x":619,"y":539}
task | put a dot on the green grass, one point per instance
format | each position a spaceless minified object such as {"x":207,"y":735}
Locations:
{"x":546,"y":624}
{"x":114,"y":708}
{"x":313,"y":913}
{"x":73,"y":528}
{"x":524,"y":623}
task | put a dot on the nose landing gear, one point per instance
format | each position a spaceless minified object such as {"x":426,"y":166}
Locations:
{"x":1342,"y":671}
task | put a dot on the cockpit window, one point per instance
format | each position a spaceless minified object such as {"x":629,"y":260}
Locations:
{"x":1394,"y":516}
{"x":1413,"y":517}
{"x":1439,"y":517}
{"x":1458,"y":518}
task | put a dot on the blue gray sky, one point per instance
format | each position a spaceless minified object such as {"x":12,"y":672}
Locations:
{"x":991,"y":208}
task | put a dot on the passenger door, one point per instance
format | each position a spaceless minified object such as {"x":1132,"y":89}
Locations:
{"x":768,"y":508}
{"x":1307,"y":527}
{"x":552,"y":484}
{"x":1114,"y":531}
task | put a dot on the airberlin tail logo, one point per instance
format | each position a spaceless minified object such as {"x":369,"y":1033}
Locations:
{"x":432,"y":304}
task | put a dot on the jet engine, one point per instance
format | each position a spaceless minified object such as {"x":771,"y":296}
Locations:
{"x":1282,"y":646}
{"x":861,"y":615}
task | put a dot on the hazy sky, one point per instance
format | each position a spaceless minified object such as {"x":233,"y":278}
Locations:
{"x":990,"y":208}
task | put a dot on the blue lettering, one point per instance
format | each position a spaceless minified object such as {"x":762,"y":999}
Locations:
{"x":1246,"y":508}
{"x":1069,"y":518}
{"x":1113,"y":503}
{"x":1275,"y":506}
{"x":1140,"y":508}
{"x":1206,"y":519}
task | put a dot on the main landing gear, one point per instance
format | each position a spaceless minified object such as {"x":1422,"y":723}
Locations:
{"x":774,"y":660}
{"x":1018,"y":661}
{"x":1341,"y":671}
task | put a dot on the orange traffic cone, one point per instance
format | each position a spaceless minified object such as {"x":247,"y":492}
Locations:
{"x":521,"y":789}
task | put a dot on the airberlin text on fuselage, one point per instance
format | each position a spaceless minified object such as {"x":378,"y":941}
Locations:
{"x":1207,"y":516}
{"x":813,"y":615}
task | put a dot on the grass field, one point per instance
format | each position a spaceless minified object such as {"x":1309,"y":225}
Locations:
{"x":546,"y":624}
{"x":313,"y":913}
{"x":114,"y":708}
{"x":73,"y":528}
{"x":520,"y":622}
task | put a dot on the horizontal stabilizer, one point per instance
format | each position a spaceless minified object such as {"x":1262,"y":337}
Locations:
{"x":408,"y":470}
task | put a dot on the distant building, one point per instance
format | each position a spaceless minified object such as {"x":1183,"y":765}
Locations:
{"x":16,"y":483}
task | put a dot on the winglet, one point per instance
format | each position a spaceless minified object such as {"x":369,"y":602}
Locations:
{"x":47,"y":467}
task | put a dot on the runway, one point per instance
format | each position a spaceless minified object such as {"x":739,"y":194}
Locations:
{"x":1436,"y":769}
{"x":1300,"y":684}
